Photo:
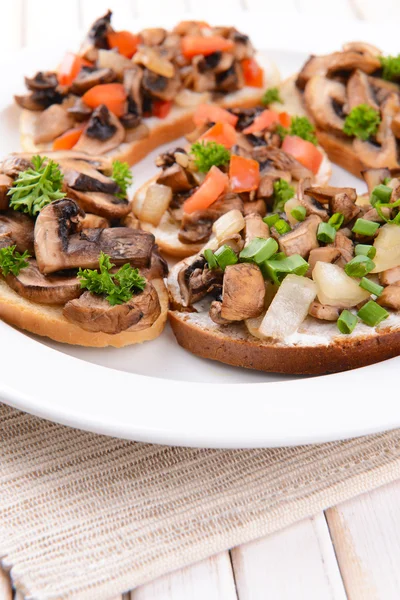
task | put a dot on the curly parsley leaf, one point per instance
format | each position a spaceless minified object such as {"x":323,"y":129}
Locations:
{"x":283,"y":192}
{"x":271,"y":95}
{"x":208,"y":154}
{"x":12,"y":261}
{"x":36,"y":187}
{"x":122,"y":176}
{"x":362,"y":122}
{"x":117,"y":287}
{"x":301,"y":127}
{"x":390,"y":67}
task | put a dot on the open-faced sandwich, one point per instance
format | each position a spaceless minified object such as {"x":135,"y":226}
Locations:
{"x":314,"y":289}
{"x":124,"y":94}
{"x":353,"y":97}
{"x":91,"y":279}
{"x":250,"y":160}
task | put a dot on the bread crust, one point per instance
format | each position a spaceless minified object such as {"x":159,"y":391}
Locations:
{"x":341,"y":152}
{"x":249,"y":352}
{"x":48,"y":321}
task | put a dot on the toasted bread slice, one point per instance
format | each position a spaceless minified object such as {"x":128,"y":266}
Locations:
{"x":48,"y":321}
{"x":162,"y":131}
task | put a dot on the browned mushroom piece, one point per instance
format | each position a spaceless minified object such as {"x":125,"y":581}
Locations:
{"x":88,"y":77}
{"x":281,"y":161}
{"x":345,"y":247}
{"x":19,"y":228}
{"x":324,"y":99}
{"x":323,"y":312}
{"x":302,"y":238}
{"x":342,"y":203}
{"x":5,"y":184}
{"x":382,"y":88}
{"x":61,"y":244}
{"x":390,"y":276}
{"x":153,"y":36}
{"x":91,"y":221}
{"x":14,"y":164}
{"x":373,"y":215}
{"x":385,"y":154}
{"x":325,"y":193}
{"x":312,"y":206}
{"x":230,"y":80}
{"x":132,"y":84}
{"x":163,"y":88}
{"x":83,"y":177}
{"x":196,"y":280}
{"x":374,"y":177}
{"x":96,"y":37}
{"x":327,"y":254}
{"x":390,"y":296}
{"x":215,"y":313}
{"x":5,"y":240}
{"x":266,"y":187}
{"x":255,"y":227}
{"x":21,"y":161}
{"x":31,"y":284}
{"x":256,"y":207}
{"x":103,"y":133}
{"x":359,"y":91}
{"x":243,"y":292}
{"x":79,"y":110}
{"x":176,"y":178}
{"x":396,"y":125}
{"x":51,"y":123}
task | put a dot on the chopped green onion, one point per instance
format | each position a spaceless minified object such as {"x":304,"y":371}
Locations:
{"x":259,"y":249}
{"x":365,"y":250}
{"x":282,"y":226}
{"x":270,"y":220}
{"x":346,"y":322}
{"x":210,"y":258}
{"x":371,"y":287}
{"x":364,"y":227}
{"x":372,"y":314}
{"x":277,"y":268}
{"x":381,"y":193}
{"x":278,"y":256}
{"x":326,"y":233}
{"x":299,"y":213}
{"x":387,"y":180}
{"x":225,"y":256}
{"x":336,"y":220}
{"x":359,"y":266}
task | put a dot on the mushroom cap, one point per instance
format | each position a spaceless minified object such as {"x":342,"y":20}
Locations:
{"x":323,"y":97}
{"x":243,"y":292}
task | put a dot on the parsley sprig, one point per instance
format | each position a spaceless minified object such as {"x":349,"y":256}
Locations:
{"x":362,"y":122}
{"x":12,"y":261}
{"x":117,"y":287}
{"x":283,"y":192}
{"x":122,"y":176}
{"x":208,"y":154}
{"x":36,"y":187}
{"x":301,"y":127}
{"x":390,"y":67}
{"x":271,"y":95}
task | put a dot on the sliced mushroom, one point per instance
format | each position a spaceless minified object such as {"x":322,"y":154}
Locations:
{"x":5,"y":184}
{"x":255,"y":227}
{"x":51,"y":123}
{"x":279,"y":160}
{"x":164,"y":88}
{"x":59,"y":243}
{"x":196,"y":227}
{"x":20,"y":229}
{"x":176,"y":178}
{"x":327,"y":254}
{"x":374,"y":177}
{"x":327,"y":193}
{"x":196,"y":280}
{"x":44,"y":92}
{"x":215,"y":313}
{"x":31,"y":284}
{"x":79,"y":110}
{"x":362,"y":48}
{"x":103,"y":133}
{"x":323,"y":311}
{"x":336,"y":62}
{"x":14,"y":164}
{"x":359,"y":91}
{"x":373,"y":215}
{"x":312,"y":206}
{"x":21,"y":161}
{"x":104,"y":205}
{"x":256,"y":207}
{"x":382,"y":88}
{"x":243,"y":292}
{"x":345,"y":247}
{"x":302,"y":239}
{"x":230,"y":80}
{"x":89,"y":77}
{"x":132,"y":85}
{"x":5,"y":240}
{"x":266,"y":187}
{"x":95,"y":222}
{"x":342,"y":203}
{"x":390,"y":276}
{"x":97,"y":37}
{"x":324,"y":99}
{"x":153,"y":36}
{"x":81,"y":176}
{"x":390,"y":297}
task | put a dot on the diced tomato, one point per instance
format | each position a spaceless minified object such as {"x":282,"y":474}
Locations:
{"x":262,"y":121}
{"x":125,"y":42}
{"x":212,"y":187}
{"x":113,"y":95}
{"x":285,"y":119}
{"x":192,"y":45}
{"x":244,"y":174}
{"x":211,"y":113}
{"x":70,"y":67}
{"x":161,"y":108}
{"x":305,"y":152}
{"x":221,"y":133}
{"x":253,"y":73}
{"x":67,"y":140}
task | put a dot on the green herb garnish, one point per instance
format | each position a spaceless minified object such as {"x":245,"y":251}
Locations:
{"x":283,"y":192}
{"x":390,"y":67}
{"x":208,"y":154}
{"x":301,"y":127}
{"x":12,"y":261}
{"x":362,"y":122}
{"x":122,"y":176}
{"x":37,"y":186}
{"x":118,"y":287}
{"x":271,"y":95}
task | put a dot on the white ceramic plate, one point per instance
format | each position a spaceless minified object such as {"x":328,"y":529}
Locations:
{"x":158,"y":392}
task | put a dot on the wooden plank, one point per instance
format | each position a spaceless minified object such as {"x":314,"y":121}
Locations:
{"x":366,"y":536}
{"x":211,"y":579}
{"x":41,"y":23}
{"x":296,"y":563}
{"x":5,"y":586}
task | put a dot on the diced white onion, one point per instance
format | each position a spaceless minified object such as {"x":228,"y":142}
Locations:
{"x":152,"y":59}
{"x":188,"y":98}
{"x":229,"y":224}
{"x":289,"y":206}
{"x":335,"y":288}
{"x":108,"y":59}
{"x":387,"y":244}
{"x":289,"y":307}
{"x":155,"y":204}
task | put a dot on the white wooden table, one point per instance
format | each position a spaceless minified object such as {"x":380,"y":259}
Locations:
{"x":350,"y":551}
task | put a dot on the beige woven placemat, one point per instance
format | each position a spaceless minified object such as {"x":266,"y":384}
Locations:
{"x":85,"y":516}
